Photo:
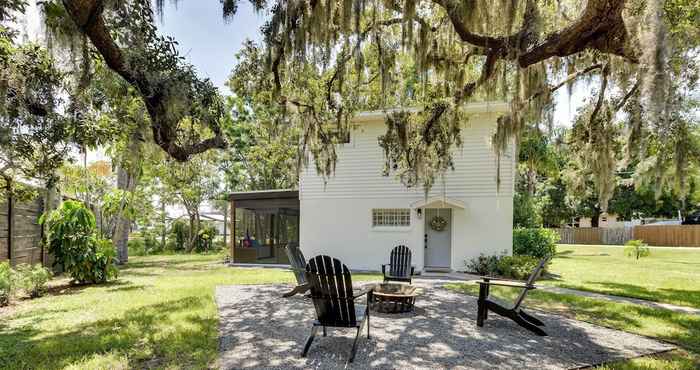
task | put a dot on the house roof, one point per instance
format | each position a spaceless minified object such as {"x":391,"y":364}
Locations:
{"x":265,"y":194}
{"x":473,"y":108}
{"x":438,"y":202}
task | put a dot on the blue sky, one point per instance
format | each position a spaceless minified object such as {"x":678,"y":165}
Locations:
{"x":206,"y":40}
{"x":209,"y":43}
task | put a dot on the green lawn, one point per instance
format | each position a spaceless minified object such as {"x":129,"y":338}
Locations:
{"x":667,"y":275}
{"x":159,"y":314}
{"x":681,"y":329}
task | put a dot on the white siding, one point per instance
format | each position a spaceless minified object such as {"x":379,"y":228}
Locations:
{"x":359,"y":168}
{"x":336,"y":219}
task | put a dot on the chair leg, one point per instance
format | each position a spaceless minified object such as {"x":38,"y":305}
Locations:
{"x":367,"y":322}
{"x":354,"y":345}
{"x":481,"y":307}
{"x":308,"y":341}
{"x":528,"y":325}
{"x":531,"y":318}
{"x":324,"y":331}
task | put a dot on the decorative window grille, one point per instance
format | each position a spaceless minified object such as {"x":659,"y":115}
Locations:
{"x":392,"y":217}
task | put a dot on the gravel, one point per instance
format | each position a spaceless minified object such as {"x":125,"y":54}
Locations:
{"x":259,"y":329}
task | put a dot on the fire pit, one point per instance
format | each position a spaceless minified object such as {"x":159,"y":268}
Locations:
{"x":393,"y":297}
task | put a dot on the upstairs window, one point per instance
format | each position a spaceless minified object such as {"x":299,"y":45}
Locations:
{"x":391,"y":217}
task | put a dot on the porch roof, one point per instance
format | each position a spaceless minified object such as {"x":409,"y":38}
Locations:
{"x":438,"y":202}
{"x":266,"y":199}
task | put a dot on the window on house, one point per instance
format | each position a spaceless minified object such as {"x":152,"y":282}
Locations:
{"x":391,"y":217}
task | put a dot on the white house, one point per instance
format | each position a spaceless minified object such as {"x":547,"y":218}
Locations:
{"x":359,"y":215}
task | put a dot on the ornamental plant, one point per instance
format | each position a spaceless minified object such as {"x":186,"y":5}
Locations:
{"x":7,"y":285}
{"x":72,"y":239}
{"x":535,"y":242}
{"x":637,"y":249}
{"x":32,"y":279}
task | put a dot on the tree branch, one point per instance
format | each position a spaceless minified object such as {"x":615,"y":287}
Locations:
{"x":88,"y":17}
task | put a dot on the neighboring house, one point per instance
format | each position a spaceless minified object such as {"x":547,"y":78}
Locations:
{"x":609,"y":220}
{"x":360,"y":215}
{"x":612,"y":220}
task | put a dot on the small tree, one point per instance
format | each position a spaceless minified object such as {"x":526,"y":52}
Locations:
{"x":637,"y":249}
{"x":72,"y":238}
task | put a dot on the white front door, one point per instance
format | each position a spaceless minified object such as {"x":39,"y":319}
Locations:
{"x":438,"y":243}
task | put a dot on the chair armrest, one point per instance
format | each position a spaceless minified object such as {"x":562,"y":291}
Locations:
{"x":384,"y":265}
{"x":488,"y":278}
{"x":362,"y":293}
{"x":299,"y":289}
{"x":509,"y":284}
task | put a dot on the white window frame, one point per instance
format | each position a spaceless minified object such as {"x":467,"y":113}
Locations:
{"x":390,"y":219}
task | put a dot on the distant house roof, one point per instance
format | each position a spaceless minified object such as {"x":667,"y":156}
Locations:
{"x":265,"y":194}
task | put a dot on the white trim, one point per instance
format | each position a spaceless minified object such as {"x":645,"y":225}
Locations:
{"x":438,"y":202}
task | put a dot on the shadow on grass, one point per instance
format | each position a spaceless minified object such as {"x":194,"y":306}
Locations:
{"x":679,"y":328}
{"x":70,"y":289}
{"x":138,"y":333}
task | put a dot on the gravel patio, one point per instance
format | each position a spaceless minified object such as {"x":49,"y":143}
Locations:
{"x":258,"y":329}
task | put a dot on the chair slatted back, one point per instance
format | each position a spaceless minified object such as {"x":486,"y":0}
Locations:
{"x":400,"y":261}
{"x":297,"y":262}
{"x":331,"y":291}
{"x":531,"y":280}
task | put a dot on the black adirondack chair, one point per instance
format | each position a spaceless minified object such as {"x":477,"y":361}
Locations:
{"x":400,"y":268}
{"x":513,"y":312}
{"x":297,"y":264}
{"x":333,"y":298}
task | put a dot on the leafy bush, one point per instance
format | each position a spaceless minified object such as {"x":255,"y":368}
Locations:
{"x":72,"y":238}
{"x":538,"y":243}
{"x":637,"y":249}
{"x":517,"y":267}
{"x":33,"y":279}
{"x":7,"y":284}
{"x":484,"y":265}
{"x":136,"y":247}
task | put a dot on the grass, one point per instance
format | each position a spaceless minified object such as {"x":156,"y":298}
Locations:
{"x":159,"y":314}
{"x":680,"y":329}
{"x":667,"y":275}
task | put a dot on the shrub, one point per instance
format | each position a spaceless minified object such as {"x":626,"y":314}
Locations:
{"x":33,"y":279}
{"x":637,"y":249}
{"x":7,"y":284}
{"x":484,"y":265}
{"x":517,"y":267}
{"x":538,"y":243}
{"x":136,"y":247}
{"x":72,"y":238}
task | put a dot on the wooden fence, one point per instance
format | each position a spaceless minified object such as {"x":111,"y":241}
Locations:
{"x":659,"y":235}
{"x":20,"y":232}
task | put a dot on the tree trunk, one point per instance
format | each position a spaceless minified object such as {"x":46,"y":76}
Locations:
{"x":595,"y":218}
{"x":51,"y":201}
{"x":126,"y":181}
{"x":162,"y":216}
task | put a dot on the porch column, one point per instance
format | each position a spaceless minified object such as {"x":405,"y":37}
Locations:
{"x":233,"y":230}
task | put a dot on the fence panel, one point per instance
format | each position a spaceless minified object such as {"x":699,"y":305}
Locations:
{"x":669,"y":235}
{"x":658,"y":235}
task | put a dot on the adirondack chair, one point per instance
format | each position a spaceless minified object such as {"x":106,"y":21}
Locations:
{"x":400,"y":268}
{"x":333,"y":298}
{"x":513,"y":312}
{"x":297,"y":264}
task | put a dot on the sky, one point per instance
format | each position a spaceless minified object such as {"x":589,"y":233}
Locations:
{"x":210,"y":43}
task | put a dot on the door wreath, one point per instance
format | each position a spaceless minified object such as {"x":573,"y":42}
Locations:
{"x":438,"y":223}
